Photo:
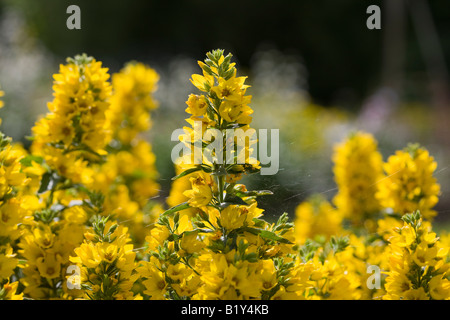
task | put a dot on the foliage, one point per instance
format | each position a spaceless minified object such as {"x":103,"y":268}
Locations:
{"x":78,"y":219}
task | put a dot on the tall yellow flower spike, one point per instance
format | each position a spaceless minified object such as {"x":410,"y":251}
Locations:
{"x":226,"y":251}
{"x":409,"y":184}
{"x":418,"y":263}
{"x":357,"y":171}
{"x":78,"y":219}
{"x":75,"y":132}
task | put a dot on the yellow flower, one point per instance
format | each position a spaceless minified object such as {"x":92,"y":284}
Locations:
{"x":188,"y":285}
{"x":71,"y":235}
{"x":107,"y":251}
{"x":76,"y":126}
{"x":88,"y":255}
{"x":75,"y":215}
{"x":126,"y":259}
{"x":11,"y":214}
{"x":190,"y":243}
{"x":268,"y":275}
{"x":199,"y":196}
{"x":232,"y":89}
{"x":236,"y":111}
{"x":247,"y":281}
{"x":44,"y":237}
{"x":155,"y":284}
{"x":10,"y":290}
{"x":49,"y":266}
{"x":178,"y":272}
{"x":7,"y":264}
{"x":197,"y":105}
{"x":409,"y":184}
{"x":203,"y":83}
{"x":406,"y":237}
{"x":357,"y":170}
{"x":30,"y":250}
{"x":439,"y":288}
{"x":397,"y":284}
{"x":60,"y":128}
{"x":282,"y":294}
{"x":236,"y":216}
{"x":157,"y":236}
{"x":416,"y":261}
{"x":132,"y":100}
{"x":316,"y":217}
{"x":424,"y":256}
{"x":416,"y":294}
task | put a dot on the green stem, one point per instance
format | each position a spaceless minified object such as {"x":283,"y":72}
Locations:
{"x":186,"y":262}
{"x":220,"y":187}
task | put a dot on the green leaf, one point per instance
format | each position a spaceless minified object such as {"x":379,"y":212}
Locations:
{"x":338,"y":244}
{"x":186,"y":172}
{"x":27,"y":161}
{"x":273,"y":236}
{"x":45,"y":182}
{"x":255,"y":193}
{"x":235,"y":125}
{"x":259,"y":223}
{"x":206,"y":168}
{"x":266,"y":234}
{"x":231,"y":199}
{"x":211,"y":57}
{"x":211,"y":111}
{"x":251,"y":257}
{"x":176,"y":208}
{"x":189,"y":232}
{"x":4,"y":141}
{"x":207,"y":69}
{"x":199,"y":230}
{"x":209,"y":62}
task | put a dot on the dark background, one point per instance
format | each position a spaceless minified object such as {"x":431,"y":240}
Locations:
{"x":344,"y":58}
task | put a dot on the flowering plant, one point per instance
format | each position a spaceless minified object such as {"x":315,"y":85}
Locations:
{"x":78,"y":218}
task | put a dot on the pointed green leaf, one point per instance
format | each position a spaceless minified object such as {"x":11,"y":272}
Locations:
{"x":231,"y":199}
{"x":176,"y":208}
{"x":186,"y":172}
{"x":45,"y":182}
{"x":266,"y":234}
{"x":273,"y":236}
{"x":28,"y":160}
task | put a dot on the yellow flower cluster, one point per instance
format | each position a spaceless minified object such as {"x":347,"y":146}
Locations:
{"x":409,"y":184}
{"x":316,"y":217}
{"x":418,"y":263}
{"x":372,"y":195}
{"x":224,"y":105}
{"x":71,"y":182}
{"x":127,"y":177}
{"x":357,"y":170}
{"x":75,"y":131}
{"x":14,"y":212}
{"x":132,"y":101}
{"x":106,"y":263}
{"x":78,"y":219}
{"x":212,"y":250}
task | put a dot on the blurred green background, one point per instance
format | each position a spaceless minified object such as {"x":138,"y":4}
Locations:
{"x":317,"y":73}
